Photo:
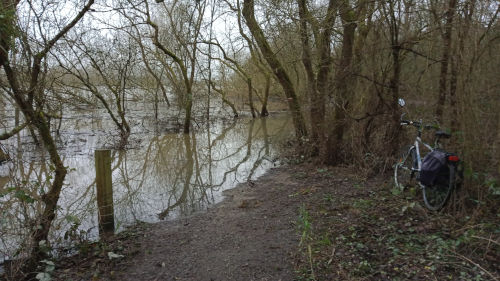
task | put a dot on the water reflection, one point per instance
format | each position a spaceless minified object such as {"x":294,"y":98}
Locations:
{"x":166,"y":176}
{"x":179,"y":174}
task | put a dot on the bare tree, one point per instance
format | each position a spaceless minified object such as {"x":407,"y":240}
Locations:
{"x":104,"y":67}
{"x":28,"y":98}
{"x":190,"y":48}
{"x":317,"y":69}
{"x":278,"y":69}
{"x":445,"y":58}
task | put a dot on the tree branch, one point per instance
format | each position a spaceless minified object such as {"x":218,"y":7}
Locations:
{"x":14,"y":131}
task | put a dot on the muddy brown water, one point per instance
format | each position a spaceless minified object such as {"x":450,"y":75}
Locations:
{"x":163,"y":174}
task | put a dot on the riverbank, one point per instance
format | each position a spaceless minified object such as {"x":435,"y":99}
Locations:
{"x":251,"y":235}
{"x":301,"y":222}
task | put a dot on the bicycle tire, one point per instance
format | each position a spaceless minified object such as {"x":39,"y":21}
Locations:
{"x":404,"y":170}
{"x":436,"y":196}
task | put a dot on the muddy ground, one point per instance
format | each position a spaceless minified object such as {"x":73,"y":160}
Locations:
{"x":251,"y":235}
{"x":301,"y":222}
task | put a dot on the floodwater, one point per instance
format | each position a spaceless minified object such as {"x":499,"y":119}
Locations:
{"x":162,"y":175}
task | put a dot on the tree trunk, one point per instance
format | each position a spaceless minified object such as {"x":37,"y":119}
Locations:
{"x":263,"y":111}
{"x":187,"y":116}
{"x":457,"y":64}
{"x":317,"y":81}
{"x":250,"y":98}
{"x":278,"y":69}
{"x":392,"y":134}
{"x":51,"y":198}
{"x":24,"y":101}
{"x":311,"y":85}
{"x":335,"y":136}
{"x":453,"y":94}
{"x":450,"y":13}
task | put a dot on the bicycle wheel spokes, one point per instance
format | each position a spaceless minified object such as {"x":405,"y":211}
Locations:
{"x":436,"y":196}
{"x":403,"y":170}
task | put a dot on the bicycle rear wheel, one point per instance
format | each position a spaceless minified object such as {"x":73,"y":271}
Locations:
{"x":437,"y":195}
{"x":404,"y":170}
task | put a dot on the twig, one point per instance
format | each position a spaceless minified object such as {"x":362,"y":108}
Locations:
{"x":332,"y":255}
{"x":477,"y":265}
{"x":487,"y":239}
{"x":309,"y":250}
{"x":466,"y":227}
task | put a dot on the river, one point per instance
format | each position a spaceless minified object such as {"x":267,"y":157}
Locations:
{"x":161,"y":175}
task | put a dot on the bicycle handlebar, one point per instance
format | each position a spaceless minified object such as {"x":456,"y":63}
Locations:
{"x":409,"y":122}
{"x":418,"y":124}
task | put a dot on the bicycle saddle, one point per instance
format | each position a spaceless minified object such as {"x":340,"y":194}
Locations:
{"x":442,"y":134}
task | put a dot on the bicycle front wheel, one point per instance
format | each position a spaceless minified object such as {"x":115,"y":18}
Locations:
{"x":404,"y":170}
{"x":437,"y":195}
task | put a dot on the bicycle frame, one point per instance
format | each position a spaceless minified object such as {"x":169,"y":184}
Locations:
{"x":417,"y":152}
{"x":416,"y":146}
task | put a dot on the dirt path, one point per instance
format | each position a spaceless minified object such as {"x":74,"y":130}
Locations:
{"x":251,"y":235}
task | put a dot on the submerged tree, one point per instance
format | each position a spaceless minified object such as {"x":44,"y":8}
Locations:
{"x":278,"y":69}
{"x":185,"y":59}
{"x":104,"y":68}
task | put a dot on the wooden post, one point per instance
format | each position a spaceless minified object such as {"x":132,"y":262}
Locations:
{"x":104,"y":192}
{"x":3,"y":182}
{"x":3,"y":155}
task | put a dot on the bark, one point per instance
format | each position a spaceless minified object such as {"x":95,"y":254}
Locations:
{"x":344,"y":72}
{"x":263,"y":111}
{"x":278,"y":69}
{"x":311,"y":86}
{"x":3,"y":156}
{"x":13,"y":132}
{"x":317,"y":79}
{"x":443,"y":76}
{"x":50,"y":199}
{"x":497,"y":144}
{"x":457,"y":64}
{"x":392,"y":132}
{"x":250,"y":98}
{"x":453,"y":93}
{"x":324,"y":65}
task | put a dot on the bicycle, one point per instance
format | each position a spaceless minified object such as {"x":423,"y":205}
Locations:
{"x":409,"y":166}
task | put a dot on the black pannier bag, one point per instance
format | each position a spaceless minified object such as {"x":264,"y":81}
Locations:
{"x":434,"y":168}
